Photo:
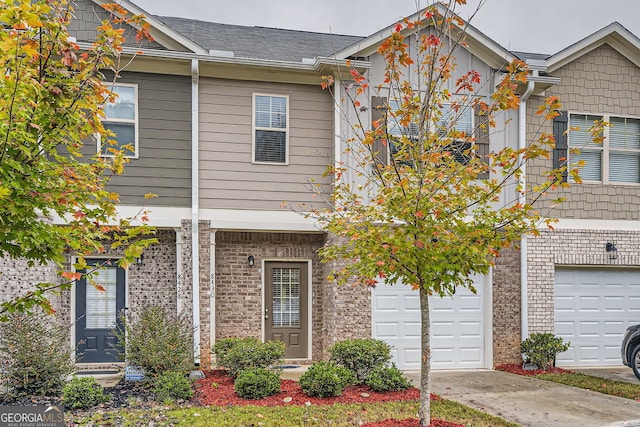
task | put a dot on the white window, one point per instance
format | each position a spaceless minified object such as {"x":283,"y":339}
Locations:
{"x":617,"y":158}
{"x":270,"y":129}
{"x":122,"y":119}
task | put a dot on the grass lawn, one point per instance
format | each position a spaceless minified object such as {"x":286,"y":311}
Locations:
{"x":338,"y":415}
{"x":589,"y":382}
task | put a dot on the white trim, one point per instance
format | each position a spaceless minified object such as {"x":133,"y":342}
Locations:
{"x":596,"y":224}
{"x":488,"y":319}
{"x":255,"y":128}
{"x":257,"y":220}
{"x":135,"y":122}
{"x":309,"y":300}
{"x":159,"y":216}
{"x":195,"y":207}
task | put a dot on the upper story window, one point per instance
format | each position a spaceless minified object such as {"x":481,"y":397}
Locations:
{"x":270,"y":129}
{"x":122,"y":119}
{"x":617,"y":159}
{"x":451,"y":122}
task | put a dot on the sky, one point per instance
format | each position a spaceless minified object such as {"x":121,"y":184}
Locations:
{"x":540,"y":26}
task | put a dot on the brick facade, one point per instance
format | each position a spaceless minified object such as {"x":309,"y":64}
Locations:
{"x":506,"y":308}
{"x":570,"y":248}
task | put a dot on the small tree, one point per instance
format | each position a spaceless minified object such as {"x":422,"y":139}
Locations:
{"x":415,"y":200}
{"x":53,"y":100}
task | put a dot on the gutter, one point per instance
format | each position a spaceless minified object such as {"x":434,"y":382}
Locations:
{"x":195,"y":241}
{"x":522,"y":144}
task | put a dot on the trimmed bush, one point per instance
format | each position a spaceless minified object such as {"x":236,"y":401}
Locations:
{"x":238,"y":354}
{"x":83,"y":393}
{"x":157,"y":342}
{"x":170,"y":386}
{"x":325,"y":379}
{"x":35,"y":351}
{"x":542,"y":349}
{"x":257,"y":383}
{"x":361,"y":356}
{"x":387,"y":378}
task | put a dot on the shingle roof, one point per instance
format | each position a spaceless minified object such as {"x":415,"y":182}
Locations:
{"x":259,"y":42}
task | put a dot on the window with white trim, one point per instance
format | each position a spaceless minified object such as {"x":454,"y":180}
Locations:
{"x":270,"y":129}
{"x":617,"y":158}
{"x":121,"y":119}
{"x":450,"y":121}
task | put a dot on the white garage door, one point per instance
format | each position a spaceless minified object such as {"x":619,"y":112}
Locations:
{"x":458,"y":336}
{"x":593,"y":307}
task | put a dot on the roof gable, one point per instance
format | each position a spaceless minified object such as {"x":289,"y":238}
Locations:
{"x":614,"y":35}
{"x":478,"y":43}
{"x":162,"y":34}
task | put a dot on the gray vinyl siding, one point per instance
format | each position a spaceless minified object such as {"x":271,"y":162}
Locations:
{"x":88,"y":16}
{"x":228,"y":178}
{"x":163,"y":166}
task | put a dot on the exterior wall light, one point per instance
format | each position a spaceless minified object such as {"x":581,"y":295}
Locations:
{"x":612,"y":250}
{"x":251,"y":260}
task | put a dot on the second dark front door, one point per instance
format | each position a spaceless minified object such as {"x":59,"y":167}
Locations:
{"x":97,"y":313}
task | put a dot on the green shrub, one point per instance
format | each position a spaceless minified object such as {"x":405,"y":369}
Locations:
{"x":83,"y":393}
{"x":257,"y":383}
{"x":324,"y":379}
{"x":238,"y":354}
{"x":361,"y":356}
{"x":542,"y":349}
{"x":387,"y":378}
{"x":157,"y":342}
{"x":171,"y":385}
{"x":36,"y":355}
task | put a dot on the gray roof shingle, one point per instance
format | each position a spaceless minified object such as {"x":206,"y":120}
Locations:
{"x":259,"y":42}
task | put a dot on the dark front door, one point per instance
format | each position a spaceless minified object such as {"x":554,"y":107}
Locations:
{"x":97,"y":313}
{"x":286,"y":308}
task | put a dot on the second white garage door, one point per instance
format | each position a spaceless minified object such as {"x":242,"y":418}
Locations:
{"x":593,"y":307}
{"x":458,"y":326}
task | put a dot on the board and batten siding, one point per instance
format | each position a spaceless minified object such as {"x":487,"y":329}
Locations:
{"x":163,"y":166}
{"x":229,"y":179}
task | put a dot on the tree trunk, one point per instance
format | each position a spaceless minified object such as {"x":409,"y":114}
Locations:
{"x":425,"y":374}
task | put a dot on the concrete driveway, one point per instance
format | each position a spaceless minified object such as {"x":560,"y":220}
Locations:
{"x":532,"y":402}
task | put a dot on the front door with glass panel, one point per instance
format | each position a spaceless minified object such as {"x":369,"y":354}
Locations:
{"x":286,"y":306}
{"x":97,"y":313}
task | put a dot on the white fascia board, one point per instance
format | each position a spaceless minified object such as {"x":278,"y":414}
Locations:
{"x":255,"y":220}
{"x":159,"y":216}
{"x":613,"y":34}
{"x":595,"y":224}
{"x":163,"y":34}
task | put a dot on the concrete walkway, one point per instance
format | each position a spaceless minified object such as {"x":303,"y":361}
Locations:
{"x":532,"y":402}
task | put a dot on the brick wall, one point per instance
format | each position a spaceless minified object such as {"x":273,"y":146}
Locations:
{"x":239,"y":286}
{"x":506,"y":307}
{"x":570,"y":248}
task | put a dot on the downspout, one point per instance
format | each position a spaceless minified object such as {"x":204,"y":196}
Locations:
{"x":522,"y":144}
{"x":337,"y":121}
{"x":195,"y":241}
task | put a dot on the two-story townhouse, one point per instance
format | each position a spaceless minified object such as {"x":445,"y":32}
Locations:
{"x":583,"y":280}
{"x":230,"y":124}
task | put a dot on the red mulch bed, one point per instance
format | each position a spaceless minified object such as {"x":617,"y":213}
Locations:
{"x":216,"y":389}
{"x":514,"y":368}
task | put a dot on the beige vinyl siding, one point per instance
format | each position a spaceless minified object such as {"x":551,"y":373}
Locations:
{"x":228,"y":178}
{"x":602,"y":81}
{"x":163,"y":166}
